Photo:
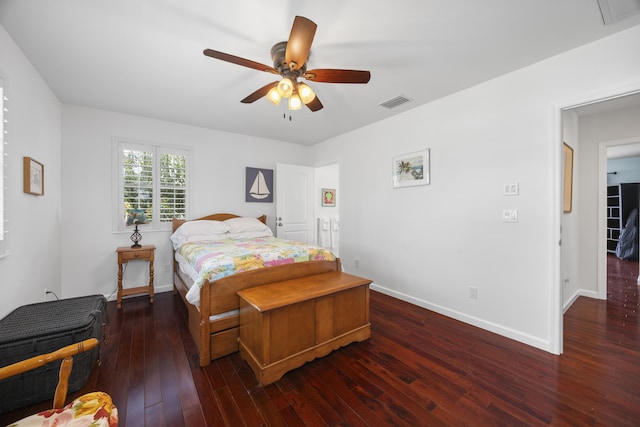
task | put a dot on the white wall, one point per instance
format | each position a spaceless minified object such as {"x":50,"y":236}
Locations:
{"x":571,"y":220}
{"x":34,"y":221}
{"x":627,"y":169}
{"x":88,"y":246}
{"x":429,"y":244}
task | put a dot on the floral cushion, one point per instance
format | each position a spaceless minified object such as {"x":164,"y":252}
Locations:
{"x":90,"y":410}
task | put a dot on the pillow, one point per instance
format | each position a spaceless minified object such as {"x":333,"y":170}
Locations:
{"x":206,"y":238}
{"x":200,"y":230}
{"x":245,"y":224}
{"x":249,"y":234}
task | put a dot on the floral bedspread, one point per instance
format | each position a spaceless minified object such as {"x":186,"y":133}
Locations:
{"x":209,"y":261}
{"x":90,"y":410}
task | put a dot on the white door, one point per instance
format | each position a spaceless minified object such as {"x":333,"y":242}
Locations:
{"x":294,"y":203}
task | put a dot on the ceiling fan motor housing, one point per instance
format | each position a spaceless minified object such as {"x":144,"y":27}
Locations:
{"x":278,"y":52}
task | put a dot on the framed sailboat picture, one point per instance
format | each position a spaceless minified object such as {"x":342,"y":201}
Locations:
{"x":259,"y":185}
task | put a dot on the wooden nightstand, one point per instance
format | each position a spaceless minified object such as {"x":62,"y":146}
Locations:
{"x":126,"y":254}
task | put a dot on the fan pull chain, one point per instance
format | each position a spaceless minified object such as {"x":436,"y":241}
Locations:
{"x":284,"y":114}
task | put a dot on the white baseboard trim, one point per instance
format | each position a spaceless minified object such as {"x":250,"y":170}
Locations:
{"x":576,"y":294}
{"x":471,"y":320}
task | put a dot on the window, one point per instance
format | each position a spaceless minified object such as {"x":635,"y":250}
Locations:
{"x":153,"y":179}
{"x":4,"y":121}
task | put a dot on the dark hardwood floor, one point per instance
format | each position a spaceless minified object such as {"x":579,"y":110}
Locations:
{"x":419,"y":368}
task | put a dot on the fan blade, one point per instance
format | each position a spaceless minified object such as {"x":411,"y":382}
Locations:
{"x":338,"y":76}
{"x":315,"y":105}
{"x":299,"y":44}
{"x":259,"y":93}
{"x":239,"y":61}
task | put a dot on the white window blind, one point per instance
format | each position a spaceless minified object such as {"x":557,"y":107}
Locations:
{"x":137,"y":169}
{"x":154,"y":179}
{"x":173,"y":186}
{"x":4,"y":132}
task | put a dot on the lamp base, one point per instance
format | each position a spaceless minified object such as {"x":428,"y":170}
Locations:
{"x":135,"y":238}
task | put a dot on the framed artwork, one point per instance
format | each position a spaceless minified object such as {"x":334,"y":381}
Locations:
{"x":567,"y":194}
{"x":328,"y":197}
{"x":259,"y":185}
{"x":33,"y":176}
{"x":411,"y":169}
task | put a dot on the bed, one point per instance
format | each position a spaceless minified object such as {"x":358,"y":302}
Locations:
{"x":211,"y":298}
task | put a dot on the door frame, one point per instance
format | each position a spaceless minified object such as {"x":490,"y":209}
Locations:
{"x":556,"y":327}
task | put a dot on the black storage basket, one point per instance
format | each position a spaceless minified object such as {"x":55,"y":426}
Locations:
{"x":44,"y":327}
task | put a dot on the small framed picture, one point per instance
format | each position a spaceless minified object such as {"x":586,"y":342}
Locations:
{"x":33,"y":176}
{"x":328,"y":197}
{"x":411,"y":169}
{"x":568,"y":177}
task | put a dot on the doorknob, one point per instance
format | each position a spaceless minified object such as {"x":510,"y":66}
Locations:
{"x":279,"y":224}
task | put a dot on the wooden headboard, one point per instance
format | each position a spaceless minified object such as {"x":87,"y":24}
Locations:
{"x":214,"y":217}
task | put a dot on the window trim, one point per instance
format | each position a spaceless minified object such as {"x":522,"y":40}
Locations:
{"x":120,"y":143}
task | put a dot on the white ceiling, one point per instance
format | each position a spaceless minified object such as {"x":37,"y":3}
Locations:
{"x":144,"y":57}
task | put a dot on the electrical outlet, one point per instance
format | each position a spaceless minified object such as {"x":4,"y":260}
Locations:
{"x":473,"y":292}
{"x":357,"y":262}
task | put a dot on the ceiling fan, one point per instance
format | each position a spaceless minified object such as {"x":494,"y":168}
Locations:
{"x":290,"y":62}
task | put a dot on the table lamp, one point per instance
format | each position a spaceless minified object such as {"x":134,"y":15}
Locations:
{"x":136,"y":217}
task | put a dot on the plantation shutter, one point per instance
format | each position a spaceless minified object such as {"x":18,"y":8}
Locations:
{"x":154,"y":179}
{"x":138,"y":181}
{"x":4,"y":131}
{"x":173,"y":186}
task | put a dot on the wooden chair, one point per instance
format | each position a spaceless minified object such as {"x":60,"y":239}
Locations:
{"x":97,"y":407}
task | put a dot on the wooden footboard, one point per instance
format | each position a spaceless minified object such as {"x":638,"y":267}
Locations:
{"x":219,"y":337}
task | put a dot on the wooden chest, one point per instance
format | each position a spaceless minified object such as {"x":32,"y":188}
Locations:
{"x":286,"y":324}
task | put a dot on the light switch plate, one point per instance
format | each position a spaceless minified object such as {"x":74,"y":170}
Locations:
{"x":511,"y":189}
{"x":510,"y":215}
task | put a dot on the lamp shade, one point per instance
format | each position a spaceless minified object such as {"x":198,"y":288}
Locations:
{"x":306,"y":93}
{"x":285,"y":88}
{"x":136,"y":217}
{"x":295,"y":103}
{"x":274,"y":96}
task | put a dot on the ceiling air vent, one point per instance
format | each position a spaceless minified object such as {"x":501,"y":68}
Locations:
{"x":395,"y":102}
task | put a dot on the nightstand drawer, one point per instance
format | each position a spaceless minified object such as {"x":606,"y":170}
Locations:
{"x":128,"y":256}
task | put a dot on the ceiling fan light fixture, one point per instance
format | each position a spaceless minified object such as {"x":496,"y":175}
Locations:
{"x":274,"y":96}
{"x":306,"y":93}
{"x":295,"y":103}
{"x":290,"y":59}
{"x":285,"y":88}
